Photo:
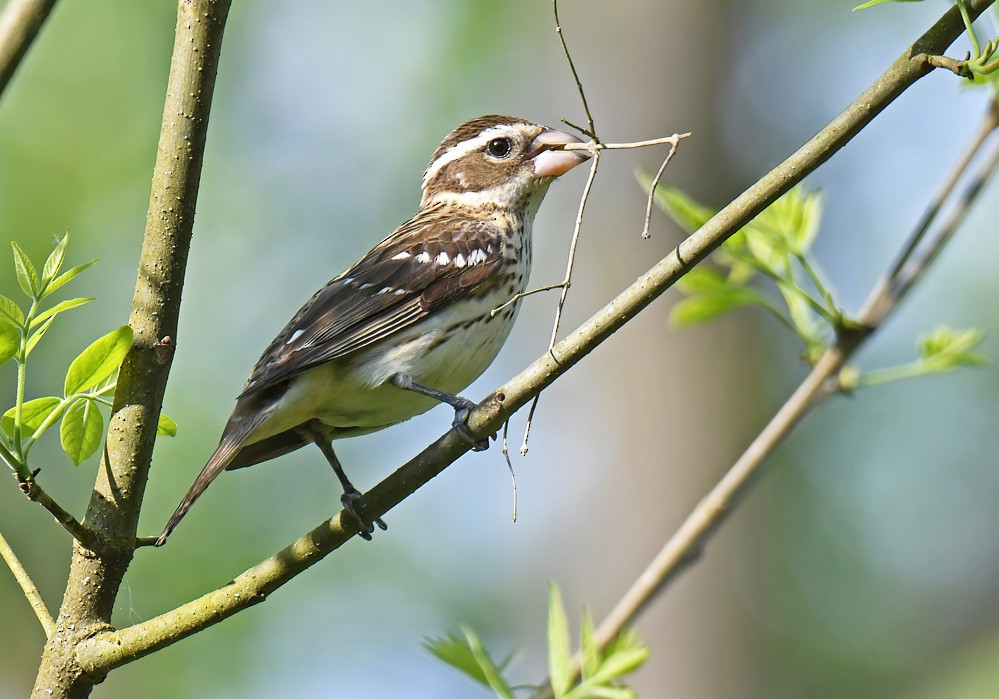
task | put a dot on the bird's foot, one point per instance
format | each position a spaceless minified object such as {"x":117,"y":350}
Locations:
{"x":462,"y":409}
{"x":364,"y":528}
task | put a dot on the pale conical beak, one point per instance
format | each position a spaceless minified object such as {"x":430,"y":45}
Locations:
{"x":552,"y":163}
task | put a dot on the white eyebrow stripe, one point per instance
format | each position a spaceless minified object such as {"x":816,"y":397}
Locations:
{"x":460,"y":150}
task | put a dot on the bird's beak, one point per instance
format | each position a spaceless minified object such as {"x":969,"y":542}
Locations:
{"x":549,"y":160}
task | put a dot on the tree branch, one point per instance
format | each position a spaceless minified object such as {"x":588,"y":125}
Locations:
{"x":20,"y":21}
{"x":28,"y":587}
{"x":688,"y":541}
{"x":111,"y":649}
{"x":34,"y":492}
{"x":113,"y":511}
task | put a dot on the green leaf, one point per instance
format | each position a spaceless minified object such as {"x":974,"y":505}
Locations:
{"x":81,"y":430}
{"x":945,"y":349}
{"x":10,"y":341}
{"x":712,"y":295}
{"x":27,"y":276}
{"x":469,"y":656}
{"x":59,"y":281}
{"x":57,"y":309}
{"x":588,"y":646}
{"x":10,"y":312}
{"x":37,"y":335}
{"x":98,"y":361}
{"x":705,"y":280}
{"x":33,"y":414}
{"x":559,"y":651}
{"x":872,"y":3}
{"x":620,"y":663}
{"x":165,"y":427}
{"x":54,"y":262}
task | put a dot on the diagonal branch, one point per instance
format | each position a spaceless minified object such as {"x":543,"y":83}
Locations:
{"x":28,"y":587}
{"x":20,"y":21}
{"x":114,"y":648}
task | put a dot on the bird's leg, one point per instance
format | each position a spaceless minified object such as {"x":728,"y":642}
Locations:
{"x":462,"y":407}
{"x":350,"y":493}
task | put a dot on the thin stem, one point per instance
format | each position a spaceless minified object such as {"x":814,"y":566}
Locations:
{"x":525,"y":294}
{"x":653,"y":185}
{"x":982,"y":132}
{"x":29,"y":486}
{"x":575,"y":76}
{"x":28,"y":587}
{"x":594,"y":146}
{"x":566,"y":283}
{"x":902,"y":372}
{"x":969,"y":25}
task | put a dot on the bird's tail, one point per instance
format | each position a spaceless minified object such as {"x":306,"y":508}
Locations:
{"x":220,"y":459}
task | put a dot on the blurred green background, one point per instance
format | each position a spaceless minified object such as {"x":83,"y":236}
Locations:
{"x":866,"y":564}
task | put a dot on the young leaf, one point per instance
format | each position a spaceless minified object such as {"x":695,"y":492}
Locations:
{"x":945,"y":349}
{"x":33,"y":414}
{"x":10,"y":312}
{"x":59,"y":281}
{"x":27,"y":276}
{"x":98,"y":361}
{"x":81,"y":430}
{"x":166,"y":427}
{"x":57,"y":309}
{"x":10,"y":341}
{"x":471,"y":658}
{"x":456,"y":653}
{"x":588,"y":646}
{"x":559,"y":651}
{"x":34,"y":337}
{"x":54,"y":262}
{"x":620,"y":663}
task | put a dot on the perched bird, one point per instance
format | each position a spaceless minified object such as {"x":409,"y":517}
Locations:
{"x":411,"y":323}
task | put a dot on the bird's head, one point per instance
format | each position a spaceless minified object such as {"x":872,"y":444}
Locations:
{"x":497,"y":161}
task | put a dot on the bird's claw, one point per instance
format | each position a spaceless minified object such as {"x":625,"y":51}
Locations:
{"x":364,"y":528}
{"x":460,"y":424}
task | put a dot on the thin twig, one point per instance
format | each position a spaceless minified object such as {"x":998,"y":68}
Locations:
{"x":594,"y":146}
{"x":509,"y":465}
{"x":655,"y":183}
{"x":687,"y":542}
{"x":77,"y":530}
{"x":592,"y":131}
{"x":525,"y":294}
{"x":566,"y":283}
{"x":28,"y":587}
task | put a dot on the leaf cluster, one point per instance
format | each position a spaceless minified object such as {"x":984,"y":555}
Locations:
{"x":90,"y":379}
{"x":776,"y":246}
{"x":600,"y":670}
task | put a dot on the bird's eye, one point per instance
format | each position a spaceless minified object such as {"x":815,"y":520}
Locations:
{"x":499,"y":147}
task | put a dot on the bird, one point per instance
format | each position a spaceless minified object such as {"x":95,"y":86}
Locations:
{"x":413,"y":322}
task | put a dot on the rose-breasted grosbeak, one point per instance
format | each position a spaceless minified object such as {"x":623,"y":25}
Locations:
{"x":410,"y":324}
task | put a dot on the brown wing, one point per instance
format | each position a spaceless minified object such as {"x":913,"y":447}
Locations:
{"x":429,"y":261}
